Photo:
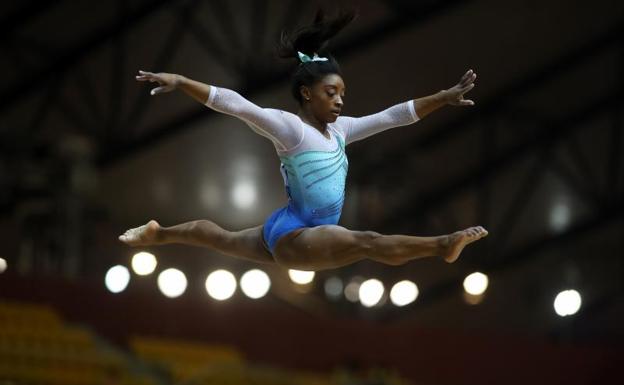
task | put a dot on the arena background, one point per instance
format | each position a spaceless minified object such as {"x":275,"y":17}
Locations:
{"x":86,"y":153}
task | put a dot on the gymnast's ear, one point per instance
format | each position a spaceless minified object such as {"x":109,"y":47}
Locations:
{"x":305,"y":92}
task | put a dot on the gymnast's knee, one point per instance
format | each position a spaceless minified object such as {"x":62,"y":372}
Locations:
{"x":380,"y":251}
{"x":366,"y":239}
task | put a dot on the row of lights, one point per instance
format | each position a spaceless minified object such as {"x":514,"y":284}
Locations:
{"x":221,"y":285}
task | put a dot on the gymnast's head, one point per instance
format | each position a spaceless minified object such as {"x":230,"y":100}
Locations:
{"x":317,"y":82}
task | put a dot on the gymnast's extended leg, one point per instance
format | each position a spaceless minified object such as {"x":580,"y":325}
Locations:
{"x":330,"y":246}
{"x":245,"y":244}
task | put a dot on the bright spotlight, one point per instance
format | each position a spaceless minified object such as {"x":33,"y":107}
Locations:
{"x":560,"y":216}
{"x":301,"y":277}
{"x":244,"y":194}
{"x":352,"y":290}
{"x":371,"y":292}
{"x":143,"y":263}
{"x":117,"y":278}
{"x":255,"y":283}
{"x":333,"y":287}
{"x":403,"y":293}
{"x":172,"y":283}
{"x":3,"y":265}
{"x":567,"y":302}
{"x":220,"y":284}
{"x":476,"y":283}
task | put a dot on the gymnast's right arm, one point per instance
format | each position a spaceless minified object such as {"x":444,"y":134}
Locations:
{"x":268,"y":123}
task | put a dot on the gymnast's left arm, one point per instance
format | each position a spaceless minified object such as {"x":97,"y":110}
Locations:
{"x":408,"y":112}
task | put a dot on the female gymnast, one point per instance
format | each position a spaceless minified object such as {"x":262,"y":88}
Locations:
{"x":311,"y":146}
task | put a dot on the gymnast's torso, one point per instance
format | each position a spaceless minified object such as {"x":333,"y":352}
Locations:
{"x":313,"y":165}
{"x":315,"y":176}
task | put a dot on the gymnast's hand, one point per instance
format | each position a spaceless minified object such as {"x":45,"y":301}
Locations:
{"x":455,"y":95}
{"x":167,"y":82}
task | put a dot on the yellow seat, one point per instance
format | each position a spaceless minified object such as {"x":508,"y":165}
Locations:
{"x":184,"y":359}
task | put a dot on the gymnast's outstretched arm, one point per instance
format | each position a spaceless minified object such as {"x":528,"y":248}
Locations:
{"x":408,"y":112}
{"x":270,"y":123}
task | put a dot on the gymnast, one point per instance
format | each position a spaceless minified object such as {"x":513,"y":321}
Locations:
{"x":310,"y":144}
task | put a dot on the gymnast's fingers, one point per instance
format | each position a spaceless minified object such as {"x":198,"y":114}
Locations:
{"x":146,"y":76}
{"x":157,"y":90}
{"x":466,"y":88}
{"x":464,"y":79}
{"x":468,"y":79}
{"x":161,"y":90}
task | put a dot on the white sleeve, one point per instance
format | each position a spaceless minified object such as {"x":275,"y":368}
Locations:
{"x":273,"y":124}
{"x":359,"y":128}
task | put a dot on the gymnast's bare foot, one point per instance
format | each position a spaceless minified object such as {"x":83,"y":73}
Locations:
{"x":456,"y":242}
{"x":145,"y":235}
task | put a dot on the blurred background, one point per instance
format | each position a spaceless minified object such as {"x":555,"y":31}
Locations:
{"x":86,"y":153}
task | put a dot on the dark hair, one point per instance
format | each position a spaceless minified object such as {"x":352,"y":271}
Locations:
{"x":309,"y":40}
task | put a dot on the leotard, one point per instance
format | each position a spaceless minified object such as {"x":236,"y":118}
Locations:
{"x":313,"y":166}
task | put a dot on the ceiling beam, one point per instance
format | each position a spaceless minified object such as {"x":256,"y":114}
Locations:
{"x":24,"y":87}
{"x":21,"y":16}
{"x":494,"y":104}
{"x":548,"y":135}
{"x":261,"y":83}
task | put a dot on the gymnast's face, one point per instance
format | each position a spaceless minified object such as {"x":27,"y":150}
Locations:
{"x":325,"y":98}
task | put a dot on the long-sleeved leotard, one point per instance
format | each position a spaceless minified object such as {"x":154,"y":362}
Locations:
{"x":313,"y":166}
